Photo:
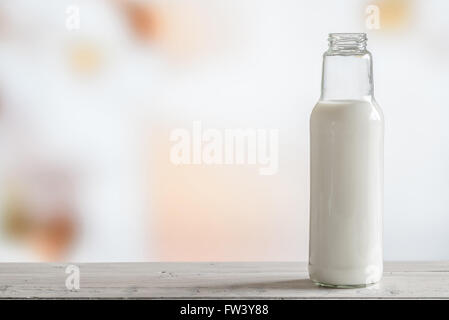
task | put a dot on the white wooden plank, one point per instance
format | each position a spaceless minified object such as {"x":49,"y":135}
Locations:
{"x":274,"y":280}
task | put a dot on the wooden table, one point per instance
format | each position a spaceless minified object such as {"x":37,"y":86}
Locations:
{"x":261,"y":280}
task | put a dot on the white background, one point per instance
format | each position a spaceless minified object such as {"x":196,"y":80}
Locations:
{"x":261,"y":68}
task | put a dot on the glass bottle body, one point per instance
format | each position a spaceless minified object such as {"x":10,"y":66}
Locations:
{"x":346,"y":170}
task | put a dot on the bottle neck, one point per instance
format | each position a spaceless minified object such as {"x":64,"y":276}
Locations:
{"x":347,"y":69}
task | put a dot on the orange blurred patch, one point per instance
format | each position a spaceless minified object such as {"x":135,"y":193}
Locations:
{"x":179,"y":29}
{"x":144,"y":19}
{"x":48,"y":231}
{"x":210,"y":213}
{"x":85,"y":58}
{"x":394,"y":14}
{"x":50,"y":238}
{"x":16,"y":221}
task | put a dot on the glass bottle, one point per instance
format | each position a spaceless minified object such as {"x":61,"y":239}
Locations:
{"x":346,"y":169}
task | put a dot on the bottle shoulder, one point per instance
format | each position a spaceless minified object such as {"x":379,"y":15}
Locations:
{"x":360,"y":109}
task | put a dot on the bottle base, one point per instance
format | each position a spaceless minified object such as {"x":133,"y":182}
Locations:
{"x":356,"y":277}
{"x":341,"y":286}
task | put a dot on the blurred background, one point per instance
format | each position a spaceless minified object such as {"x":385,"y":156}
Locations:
{"x":90,"y":91}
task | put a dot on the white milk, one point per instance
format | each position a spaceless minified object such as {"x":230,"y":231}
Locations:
{"x":346,"y":193}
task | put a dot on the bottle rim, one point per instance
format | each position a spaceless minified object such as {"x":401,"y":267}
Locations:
{"x":347,"y":43}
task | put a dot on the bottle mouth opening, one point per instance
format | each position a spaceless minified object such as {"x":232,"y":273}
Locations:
{"x":347,"y":43}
